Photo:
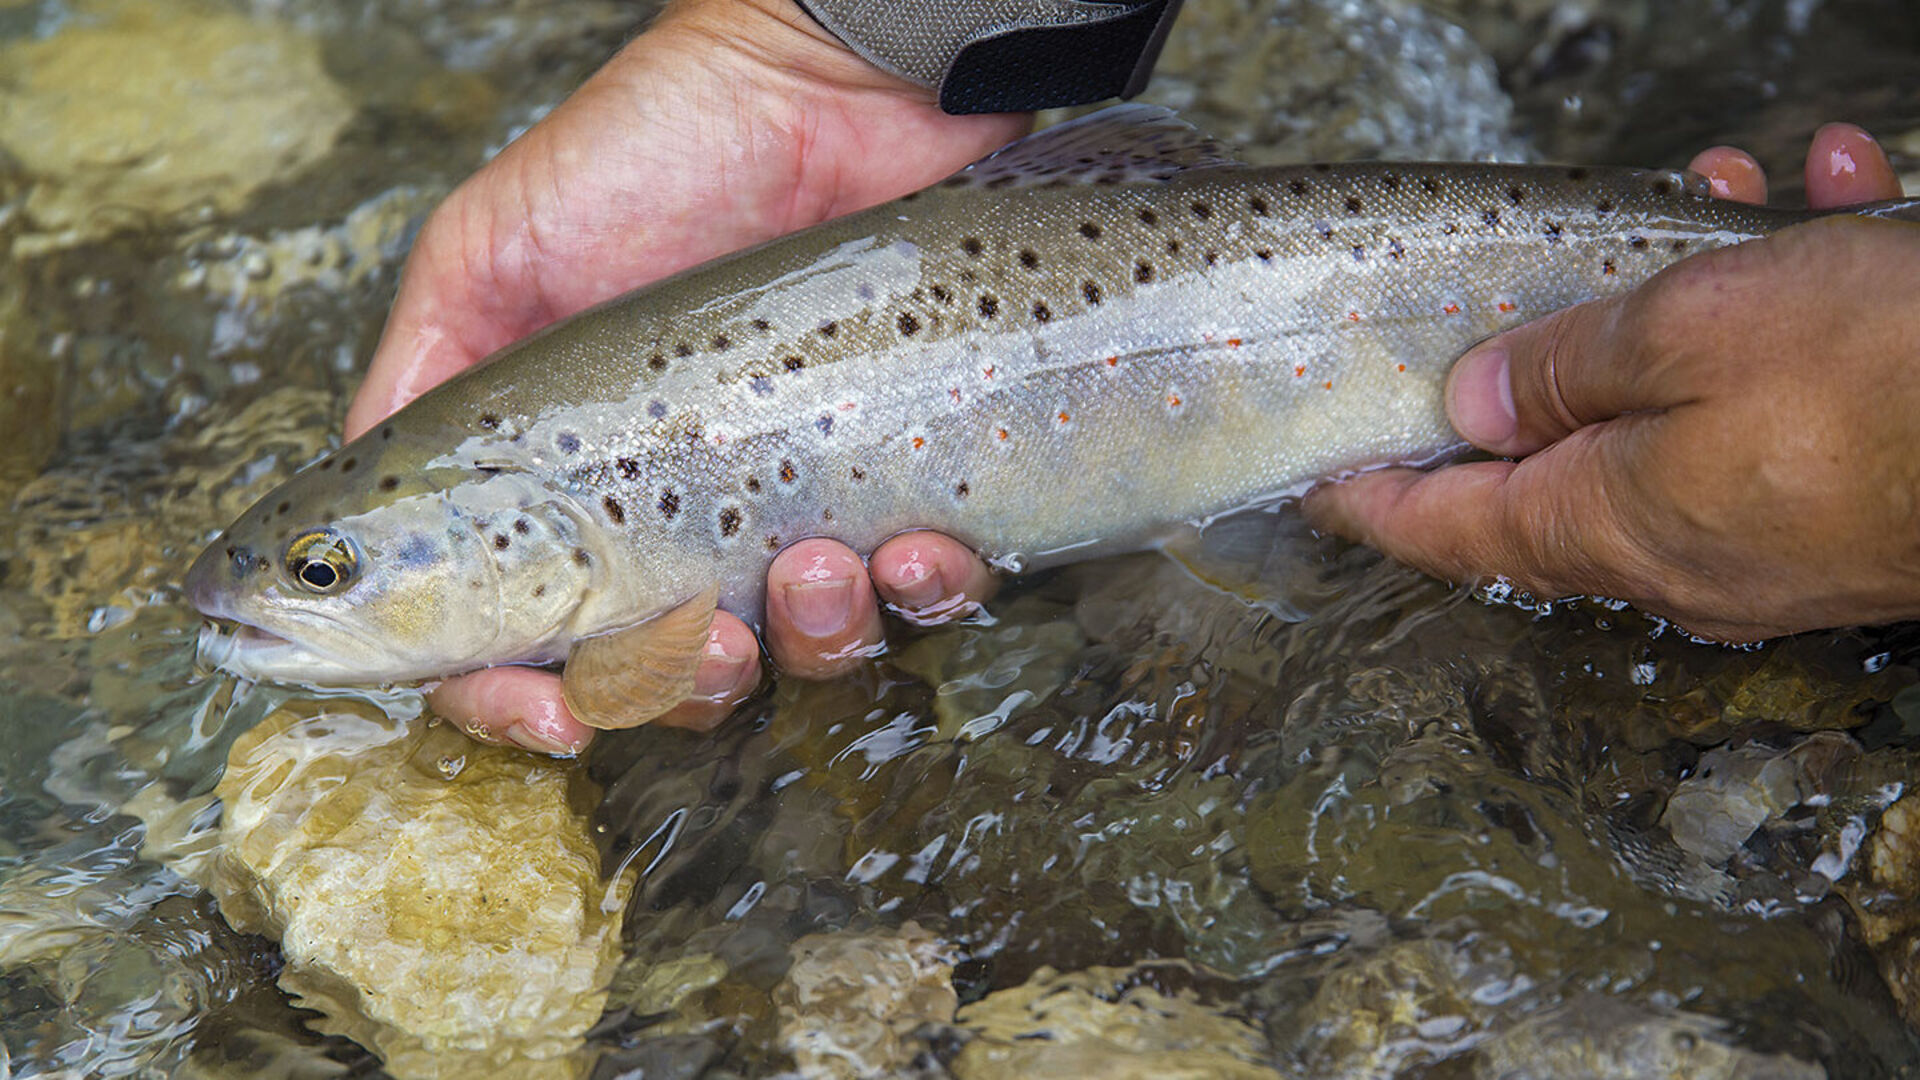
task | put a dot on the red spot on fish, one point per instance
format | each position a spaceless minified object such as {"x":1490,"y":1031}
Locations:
{"x":1403,"y":367}
{"x":1299,"y":370}
{"x":955,"y":394}
{"x":1329,"y":384}
{"x":1451,"y":309}
{"x":1174,"y":400}
{"x":1504,"y":306}
{"x":1064,"y":417}
{"x":989,"y":371}
{"x":918,"y":442}
{"x":1112,"y":361}
{"x":1353,"y":316}
{"x":1001,"y":433}
{"x":1233,"y":343}
{"x":846,"y":406}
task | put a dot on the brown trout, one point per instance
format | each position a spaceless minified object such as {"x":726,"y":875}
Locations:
{"x":1099,"y":337}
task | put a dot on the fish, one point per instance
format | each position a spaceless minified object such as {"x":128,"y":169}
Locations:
{"x":1096,"y":340}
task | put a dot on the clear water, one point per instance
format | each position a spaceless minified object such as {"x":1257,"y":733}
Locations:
{"x":1401,"y":837}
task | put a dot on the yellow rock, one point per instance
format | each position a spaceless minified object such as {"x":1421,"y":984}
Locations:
{"x":438,"y":901}
{"x":1097,"y":1023}
{"x":851,"y":999}
{"x":135,"y":110}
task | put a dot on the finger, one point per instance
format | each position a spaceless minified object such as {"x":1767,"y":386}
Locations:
{"x":1731,"y":174}
{"x":727,"y":676}
{"x":1550,"y":524}
{"x":1846,"y":166}
{"x":1531,"y":386}
{"x":518,"y":705}
{"x":822,"y":618}
{"x":930,"y":578}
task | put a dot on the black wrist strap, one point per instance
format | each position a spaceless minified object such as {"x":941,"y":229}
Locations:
{"x":1007,"y":55}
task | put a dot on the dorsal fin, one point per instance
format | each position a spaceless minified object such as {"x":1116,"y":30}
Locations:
{"x":1122,"y":145}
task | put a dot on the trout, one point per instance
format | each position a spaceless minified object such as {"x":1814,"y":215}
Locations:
{"x":1090,"y":342}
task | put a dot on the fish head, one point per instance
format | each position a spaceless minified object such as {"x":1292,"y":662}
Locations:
{"x":381,"y":574}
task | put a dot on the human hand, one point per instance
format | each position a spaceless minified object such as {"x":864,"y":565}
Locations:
{"x":1732,"y":445}
{"x":727,"y":123}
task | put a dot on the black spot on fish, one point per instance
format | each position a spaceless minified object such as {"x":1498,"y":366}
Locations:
{"x":669,"y":504}
{"x":998,"y":182}
{"x":909,"y":325}
{"x":761,"y":385}
{"x":972,"y":246}
{"x":788,"y":474}
{"x":1210,"y":256}
{"x":1263,"y":254}
{"x":1041,"y":312}
{"x":1028,"y":259}
{"x":828,"y":329}
{"x":1325,"y":229}
{"x":1429,"y":185}
{"x":826,"y":515}
{"x":762,"y":325}
{"x":1606,"y":266}
{"x":1605,"y":206}
{"x":1662,"y":187}
{"x":1390,"y":182}
{"x":540,"y":590}
{"x":1679,"y":245}
{"x":388,"y":483}
{"x":326,"y":465}
{"x":1091,"y":290}
{"x":1491,"y":216}
{"x":628,"y":468}
{"x":1173,"y":247}
{"x":500,"y":541}
{"x":489,"y":421}
{"x":1143,"y":271}
{"x":615,"y":512}
{"x":1394,"y":249}
{"x":793,"y":363}
{"x":1516,"y":195}
{"x":729,"y":521}
{"x":1149,"y":218}
{"x":522,"y":526}
{"x":753,"y":485}
{"x":989,"y":307}
{"x":580,"y":557}
{"x":657,"y":409}
{"x":1202,"y":210}
{"x":1353,"y":204}
{"x":657,"y":362}
{"x":721,"y":341}
{"x":1259,"y":206}
{"x":1637,"y":243}
{"x":859,"y":473}
{"x":1552,"y":231}
{"x":1090,"y":230}
{"x":387,"y":432}
{"x":1359,"y":253}
{"x":961,"y":490}
{"x":568,"y":442}
{"x":488,"y":470}
{"x":941,"y":294}
{"x":1450,"y":228}
{"x":283,"y":508}
{"x":1576,"y":174}
{"x":825,"y":424}
{"x":683,"y":349}
{"x":1298,"y":187}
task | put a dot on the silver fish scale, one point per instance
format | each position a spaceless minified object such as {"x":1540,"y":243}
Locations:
{"x":1048,"y":371}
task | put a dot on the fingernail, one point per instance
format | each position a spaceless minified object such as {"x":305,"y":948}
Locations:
{"x":920,"y":587}
{"x":719,"y":673}
{"x":529,"y":738}
{"x":1480,"y":398}
{"x":820,"y":608}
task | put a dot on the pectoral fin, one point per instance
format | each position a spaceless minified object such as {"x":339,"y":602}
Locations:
{"x":624,"y":678}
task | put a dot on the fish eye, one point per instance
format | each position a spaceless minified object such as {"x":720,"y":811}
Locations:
{"x":321,"y":561}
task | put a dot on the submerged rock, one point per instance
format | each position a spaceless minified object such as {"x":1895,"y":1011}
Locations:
{"x":851,"y":1000}
{"x":1734,"y":792}
{"x":1596,"y":1038}
{"x":136,"y":111}
{"x":1885,"y":898}
{"x":438,"y":901}
{"x":1109,"y":1023}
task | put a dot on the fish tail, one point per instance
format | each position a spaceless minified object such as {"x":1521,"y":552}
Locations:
{"x":1892,"y":210}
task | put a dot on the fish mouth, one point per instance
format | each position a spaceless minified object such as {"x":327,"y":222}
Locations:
{"x":252,"y":653}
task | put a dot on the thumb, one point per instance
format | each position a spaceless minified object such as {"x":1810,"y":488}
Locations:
{"x":1523,"y":390}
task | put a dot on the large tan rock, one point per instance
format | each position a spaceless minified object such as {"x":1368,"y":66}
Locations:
{"x":135,"y":110}
{"x":851,"y":999}
{"x":438,"y":901}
